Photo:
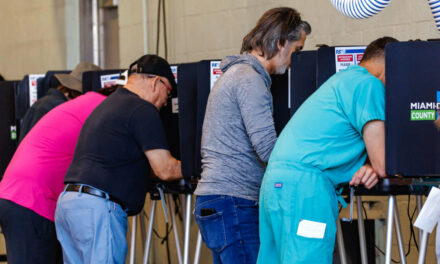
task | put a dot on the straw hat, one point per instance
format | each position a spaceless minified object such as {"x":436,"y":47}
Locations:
{"x":73,"y":80}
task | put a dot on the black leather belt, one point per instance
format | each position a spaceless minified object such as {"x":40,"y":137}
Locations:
{"x":92,"y":191}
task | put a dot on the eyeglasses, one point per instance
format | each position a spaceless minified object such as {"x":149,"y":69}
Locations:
{"x":166,"y":86}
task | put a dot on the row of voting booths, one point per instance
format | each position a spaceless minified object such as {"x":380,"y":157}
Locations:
{"x":18,"y":96}
{"x":412,"y":141}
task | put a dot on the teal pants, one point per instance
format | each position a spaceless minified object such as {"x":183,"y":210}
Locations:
{"x":293,"y":197}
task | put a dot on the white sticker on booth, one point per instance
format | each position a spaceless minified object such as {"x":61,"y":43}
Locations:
{"x":33,"y":92}
{"x":175,"y":105}
{"x":215,"y":72}
{"x":347,"y":56}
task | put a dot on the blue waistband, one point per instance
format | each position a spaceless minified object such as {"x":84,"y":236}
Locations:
{"x":307,"y":168}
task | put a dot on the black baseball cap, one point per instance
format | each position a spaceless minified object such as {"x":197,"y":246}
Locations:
{"x":153,"y":64}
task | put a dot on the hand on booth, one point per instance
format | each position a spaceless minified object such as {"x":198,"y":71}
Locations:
{"x":366,"y":176}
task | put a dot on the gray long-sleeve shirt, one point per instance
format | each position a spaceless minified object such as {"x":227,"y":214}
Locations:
{"x":238,"y":130}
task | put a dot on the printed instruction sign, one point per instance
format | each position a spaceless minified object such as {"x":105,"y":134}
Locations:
{"x":347,"y":56}
{"x":109,"y":80}
{"x":174,"y":71}
{"x":174,"y":101}
{"x":33,"y":93}
{"x":215,"y":72}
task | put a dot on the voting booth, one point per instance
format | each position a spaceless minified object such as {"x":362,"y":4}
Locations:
{"x":280,"y":90}
{"x":170,"y":119}
{"x":8,"y":126}
{"x":331,"y":60}
{"x":26,"y":94}
{"x":302,"y":78}
{"x":412,"y":106}
{"x":310,"y":69}
{"x":187,"y":103}
{"x":194,"y":84}
{"x":94,"y":80}
{"x":47,"y":82}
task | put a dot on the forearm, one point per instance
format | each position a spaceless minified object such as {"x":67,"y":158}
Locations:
{"x":374,"y":138}
{"x":164,"y":166}
{"x":173,"y":170}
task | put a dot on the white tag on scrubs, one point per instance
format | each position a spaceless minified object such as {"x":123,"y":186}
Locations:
{"x":311,"y":229}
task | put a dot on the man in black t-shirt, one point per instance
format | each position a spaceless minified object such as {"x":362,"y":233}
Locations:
{"x":121,"y":142}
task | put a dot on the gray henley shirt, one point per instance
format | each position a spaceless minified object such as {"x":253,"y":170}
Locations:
{"x":238,"y":131}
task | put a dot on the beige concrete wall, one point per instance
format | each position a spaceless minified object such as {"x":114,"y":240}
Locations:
{"x":212,"y":29}
{"x":32,"y":37}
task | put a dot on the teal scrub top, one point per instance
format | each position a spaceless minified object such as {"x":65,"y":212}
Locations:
{"x":326,"y":131}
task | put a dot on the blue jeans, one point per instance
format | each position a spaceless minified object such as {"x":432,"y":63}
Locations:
{"x":229,"y":227}
{"x":90,"y":229}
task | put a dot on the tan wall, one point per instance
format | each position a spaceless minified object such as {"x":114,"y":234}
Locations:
{"x":34,"y":31}
{"x":212,"y":29}
{"x":33,"y":37}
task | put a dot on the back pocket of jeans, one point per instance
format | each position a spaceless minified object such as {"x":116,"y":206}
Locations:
{"x":81,"y":225}
{"x":212,"y":229}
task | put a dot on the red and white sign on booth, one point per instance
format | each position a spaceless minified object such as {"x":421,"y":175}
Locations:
{"x":215,"y":72}
{"x":346,"y":56}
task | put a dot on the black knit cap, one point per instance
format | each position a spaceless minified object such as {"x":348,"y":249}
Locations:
{"x":153,"y":64}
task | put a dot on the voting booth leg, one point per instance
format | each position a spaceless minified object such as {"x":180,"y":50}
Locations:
{"x":133,"y":238}
{"x":175,"y":231}
{"x":187,"y":228}
{"x":198,"y":248}
{"x":390,"y":220}
{"x":340,"y":238}
{"x":142,"y":224}
{"x":419,"y":207}
{"x":150,"y":231}
{"x":183,"y":204}
{"x":423,"y":245}
{"x":399,"y":234}
{"x":361,"y":229}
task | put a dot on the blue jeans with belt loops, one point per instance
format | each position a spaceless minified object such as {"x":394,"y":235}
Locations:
{"x":90,"y":229}
{"x":229,"y":227}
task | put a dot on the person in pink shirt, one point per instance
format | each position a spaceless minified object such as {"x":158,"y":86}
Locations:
{"x":33,"y":181}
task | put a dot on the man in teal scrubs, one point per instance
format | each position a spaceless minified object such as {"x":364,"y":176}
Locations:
{"x":326,"y":143}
